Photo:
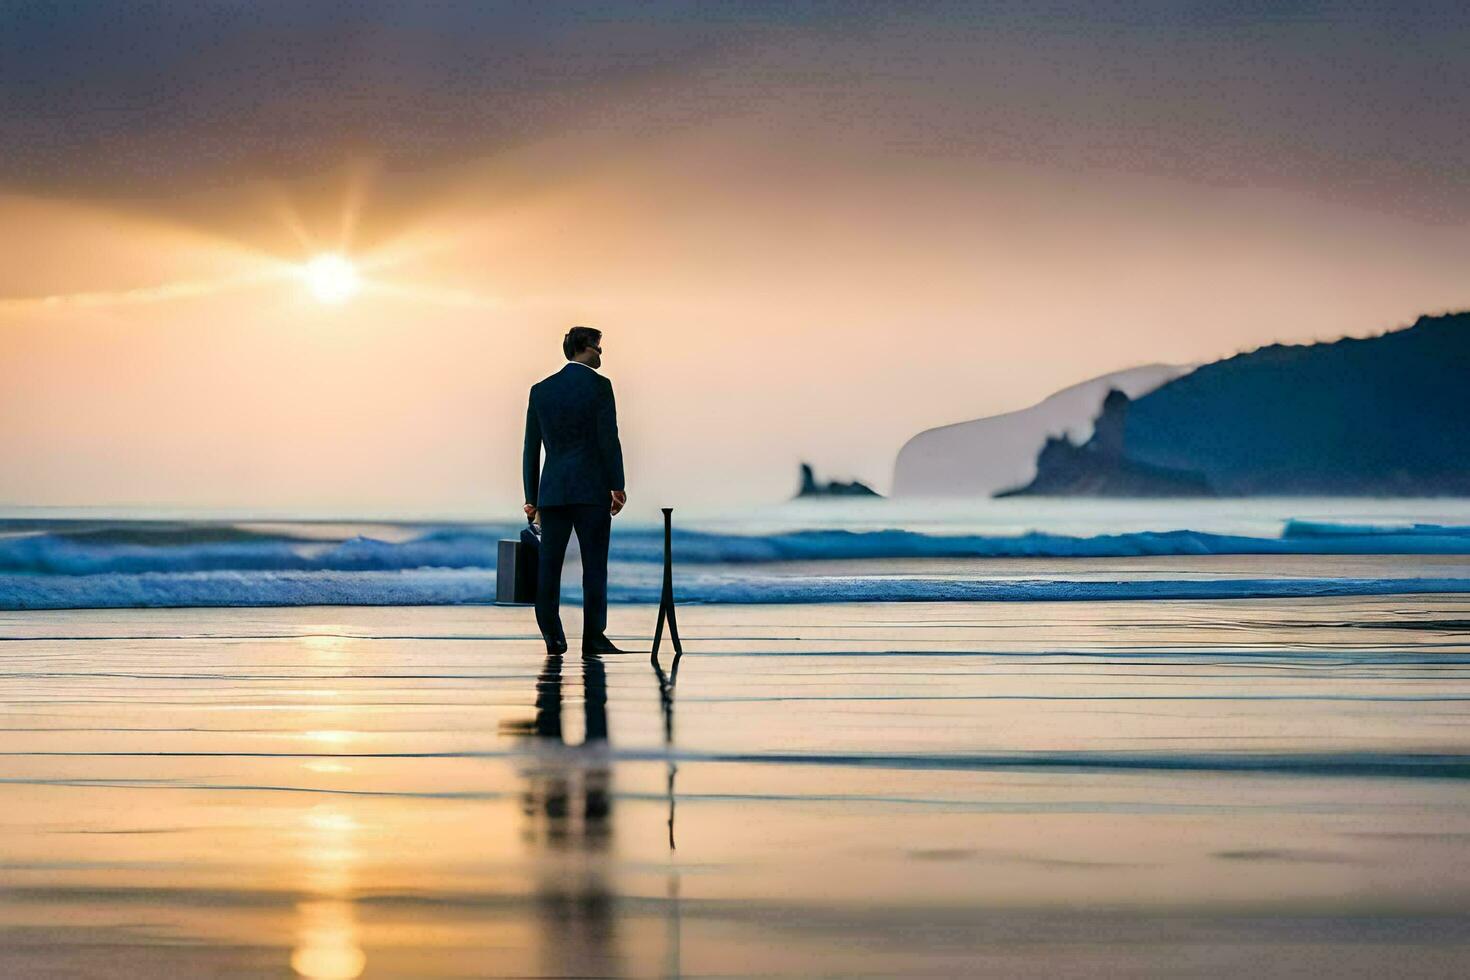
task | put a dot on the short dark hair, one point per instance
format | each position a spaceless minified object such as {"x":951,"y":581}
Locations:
{"x":579,"y":339}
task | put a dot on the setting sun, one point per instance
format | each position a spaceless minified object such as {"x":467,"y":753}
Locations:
{"x":332,"y":278}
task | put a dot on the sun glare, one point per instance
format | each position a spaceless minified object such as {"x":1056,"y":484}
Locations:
{"x":331,"y":278}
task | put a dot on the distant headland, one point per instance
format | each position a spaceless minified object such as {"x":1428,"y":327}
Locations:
{"x":1378,"y":416}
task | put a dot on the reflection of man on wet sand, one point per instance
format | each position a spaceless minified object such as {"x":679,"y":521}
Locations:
{"x":567,"y":802}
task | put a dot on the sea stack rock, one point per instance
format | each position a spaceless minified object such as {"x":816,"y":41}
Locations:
{"x":811,"y":487}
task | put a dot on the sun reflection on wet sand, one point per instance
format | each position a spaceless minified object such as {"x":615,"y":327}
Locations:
{"x":327,"y":945}
{"x":327,"y":935}
{"x":324,"y":765}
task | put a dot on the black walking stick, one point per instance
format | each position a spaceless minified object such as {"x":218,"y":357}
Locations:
{"x":666,"y":601}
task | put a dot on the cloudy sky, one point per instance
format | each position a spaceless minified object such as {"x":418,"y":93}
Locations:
{"x":808,"y":230}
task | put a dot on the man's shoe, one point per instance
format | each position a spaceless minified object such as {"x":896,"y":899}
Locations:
{"x":599,"y":644}
{"x":554,"y":647}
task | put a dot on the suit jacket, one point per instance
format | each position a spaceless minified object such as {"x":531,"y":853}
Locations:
{"x":573,"y":414}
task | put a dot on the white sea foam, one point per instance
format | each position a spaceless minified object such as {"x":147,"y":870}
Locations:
{"x":460,"y":586}
{"x":140,"y":564}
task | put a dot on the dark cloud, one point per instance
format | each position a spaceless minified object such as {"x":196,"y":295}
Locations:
{"x":1367,"y":101}
{"x":136,"y":93}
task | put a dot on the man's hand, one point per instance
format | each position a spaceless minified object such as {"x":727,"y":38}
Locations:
{"x":530,"y":510}
{"x":619,"y":499}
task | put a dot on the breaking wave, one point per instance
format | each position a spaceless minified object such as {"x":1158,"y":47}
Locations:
{"x":204,"y":548}
{"x":147,"y":564}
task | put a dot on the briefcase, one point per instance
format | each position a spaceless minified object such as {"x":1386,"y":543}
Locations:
{"x":515,"y":567}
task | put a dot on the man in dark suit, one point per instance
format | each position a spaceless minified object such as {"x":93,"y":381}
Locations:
{"x":580,"y":488}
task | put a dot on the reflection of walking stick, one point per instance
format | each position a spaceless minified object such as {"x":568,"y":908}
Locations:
{"x":667,"y":681}
{"x":666,"y":684}
{"x":666,"y":601}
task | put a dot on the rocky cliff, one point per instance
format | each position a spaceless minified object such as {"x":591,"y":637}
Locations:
{"x":1381,"y":416}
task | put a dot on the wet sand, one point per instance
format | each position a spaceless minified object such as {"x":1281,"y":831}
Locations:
{"x":1258,"y":787}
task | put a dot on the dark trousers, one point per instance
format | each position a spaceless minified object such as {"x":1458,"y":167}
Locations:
{"x":593,"y":524}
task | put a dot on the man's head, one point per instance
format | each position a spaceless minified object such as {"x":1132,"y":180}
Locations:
{"x":583,"y":344}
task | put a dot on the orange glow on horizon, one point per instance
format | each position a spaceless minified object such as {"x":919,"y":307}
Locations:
{"x":169,"y":353}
